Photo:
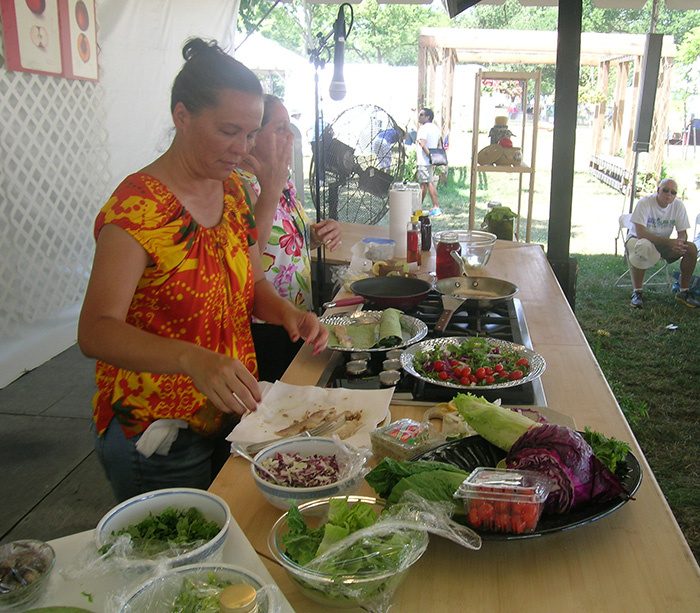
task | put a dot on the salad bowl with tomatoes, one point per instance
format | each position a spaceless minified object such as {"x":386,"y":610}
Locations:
{"x":467,"y":362}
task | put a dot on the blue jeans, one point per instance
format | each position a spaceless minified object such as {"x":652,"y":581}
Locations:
{"x":193,"y":461}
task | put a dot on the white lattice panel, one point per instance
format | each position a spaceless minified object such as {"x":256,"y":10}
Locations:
{"x":53,"y":180}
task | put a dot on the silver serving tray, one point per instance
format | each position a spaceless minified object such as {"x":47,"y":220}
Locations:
{"x":413,"y":329}
{"x":536,"y":361}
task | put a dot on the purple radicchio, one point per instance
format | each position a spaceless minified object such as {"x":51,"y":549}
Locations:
{"x":565,"y":457}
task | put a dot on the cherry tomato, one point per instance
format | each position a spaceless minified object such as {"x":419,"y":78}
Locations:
{"x":488,"y":370}
{"x":503,"y":522}
{"x":502,"y":506}
{"x":489,"y":380}
{"x":518,"y":523}
{"x":504,"y":375}
{"x":454,"y":363}
{"x":458,"y":372}
{"x":443,"y":376}
{"x":466,"y":371}
{"x":438,"y":365}
{"x":480,"y":373}
{"x":515,"y":375}
{"x":474,"y":518}
{"x":522,"y":362}
{"x":486,"y":512}
{"x":465,"y":381}
{"x":530,"y":514}
{"x":498,"y":367}
{"x":473,"y":378}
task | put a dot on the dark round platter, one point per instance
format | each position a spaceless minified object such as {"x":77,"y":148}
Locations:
{"x":473,"y":451}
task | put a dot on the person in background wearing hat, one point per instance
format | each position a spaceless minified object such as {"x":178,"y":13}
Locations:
{"x":654,"y":219}
{"x":429,"y":137}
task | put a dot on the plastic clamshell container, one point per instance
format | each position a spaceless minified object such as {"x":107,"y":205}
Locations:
{"x":403,"y":439}
{"x":378,"y":248}
{"x":504,"y":500}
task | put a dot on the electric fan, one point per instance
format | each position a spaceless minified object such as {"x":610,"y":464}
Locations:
{"x":361,"y":154}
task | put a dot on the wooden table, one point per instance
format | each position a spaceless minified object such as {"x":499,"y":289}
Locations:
{"x":635,"y":559}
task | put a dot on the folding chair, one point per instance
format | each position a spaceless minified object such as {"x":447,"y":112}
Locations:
{"x":696,"y":236}
{"x":651,"y":280}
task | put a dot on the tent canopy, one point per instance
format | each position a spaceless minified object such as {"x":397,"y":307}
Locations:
{"x":533,"y":47}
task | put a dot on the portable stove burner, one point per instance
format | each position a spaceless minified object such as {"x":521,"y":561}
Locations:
{"x":504,"y":320}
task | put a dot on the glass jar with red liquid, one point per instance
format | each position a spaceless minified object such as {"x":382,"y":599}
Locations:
{"x":445,"y":264}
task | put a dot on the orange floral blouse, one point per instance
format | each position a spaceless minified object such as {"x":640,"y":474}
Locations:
{"x":200,"y":290}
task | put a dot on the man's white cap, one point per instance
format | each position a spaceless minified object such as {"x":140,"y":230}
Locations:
{"x":641,"y":253}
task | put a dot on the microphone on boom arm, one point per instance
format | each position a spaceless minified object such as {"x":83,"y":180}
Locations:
{"x":337,"y":88}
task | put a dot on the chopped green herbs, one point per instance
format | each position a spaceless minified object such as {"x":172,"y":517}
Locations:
{"x":172,"y":527}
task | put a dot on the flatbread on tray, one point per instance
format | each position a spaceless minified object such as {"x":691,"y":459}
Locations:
{"x":290,"y":409}
{"x":386,"y":333}
{"x":355,"y":336}
{"x":390,"y":333}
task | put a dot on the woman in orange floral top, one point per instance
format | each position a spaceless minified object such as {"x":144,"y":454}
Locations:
{"x":175,"y":281}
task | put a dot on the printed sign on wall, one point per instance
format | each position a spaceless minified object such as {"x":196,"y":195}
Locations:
{"x":32,"y":38}
{"x":55,"y":37}
{"x":79,"y":40}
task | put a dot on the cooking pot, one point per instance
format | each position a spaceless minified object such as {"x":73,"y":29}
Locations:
{"x":394,"y":291}
{"x":475,"y":291}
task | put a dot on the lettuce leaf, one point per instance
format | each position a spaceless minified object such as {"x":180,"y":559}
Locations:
{"x":499,"y":426}
{"x":303,"y":544}
{"x":384,"y":477}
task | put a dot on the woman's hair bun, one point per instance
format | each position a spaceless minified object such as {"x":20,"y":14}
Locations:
{"x":196,"y":46}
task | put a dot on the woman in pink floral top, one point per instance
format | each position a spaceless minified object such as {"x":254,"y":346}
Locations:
{"x":285,"y":235}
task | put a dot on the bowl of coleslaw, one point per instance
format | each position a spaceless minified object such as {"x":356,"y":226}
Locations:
{"x":309,"y":468}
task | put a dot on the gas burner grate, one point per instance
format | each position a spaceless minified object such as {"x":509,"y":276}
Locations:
{"x":503,"y":320}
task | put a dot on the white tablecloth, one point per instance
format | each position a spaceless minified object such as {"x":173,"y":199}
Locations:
{"x":94,"y":593}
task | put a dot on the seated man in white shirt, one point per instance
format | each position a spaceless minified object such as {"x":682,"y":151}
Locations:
{"x":654,"y":218}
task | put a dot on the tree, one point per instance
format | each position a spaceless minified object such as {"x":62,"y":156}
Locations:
{"x":688,"y":66}
{"x":294,"y":25}
{"x":388,"y":33}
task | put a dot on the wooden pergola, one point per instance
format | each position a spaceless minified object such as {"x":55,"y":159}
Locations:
{"x":622,"y":52}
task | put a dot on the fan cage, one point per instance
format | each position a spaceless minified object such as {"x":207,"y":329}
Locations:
{"x":361,"y":155}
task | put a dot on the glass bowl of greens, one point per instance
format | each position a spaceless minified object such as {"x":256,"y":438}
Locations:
{"x":341,"y":552}
{"x":171,"y":527}
{"x":195,"y":587}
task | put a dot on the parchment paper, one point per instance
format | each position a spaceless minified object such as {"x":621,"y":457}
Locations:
{"x":283,"y":403}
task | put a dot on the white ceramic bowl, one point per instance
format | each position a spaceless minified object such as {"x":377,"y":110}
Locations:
{"x":351,"y":469}
{"x":158,"y":594}
{"x":136,"y":509}
{"x":33,"y":561}
{"x":371,"y":589}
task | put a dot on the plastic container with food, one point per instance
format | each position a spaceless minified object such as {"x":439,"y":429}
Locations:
{"x":504,"y":500}
{"x":403,"y":439}
{"x":363,"y":562}
{"x":25,"y":566}
{"x":309,"y":468}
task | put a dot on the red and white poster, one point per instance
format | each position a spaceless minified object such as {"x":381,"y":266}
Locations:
{"x":79,"y":39}
{"x":32,"y":36}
